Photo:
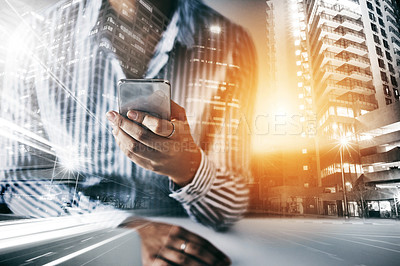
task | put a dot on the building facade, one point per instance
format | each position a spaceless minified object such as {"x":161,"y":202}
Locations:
{"x":353,"y":48}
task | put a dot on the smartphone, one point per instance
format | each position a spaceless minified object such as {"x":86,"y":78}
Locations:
{"x":147,"y":95}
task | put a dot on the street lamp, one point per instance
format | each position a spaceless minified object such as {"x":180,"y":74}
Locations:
{"x":343,"y":143}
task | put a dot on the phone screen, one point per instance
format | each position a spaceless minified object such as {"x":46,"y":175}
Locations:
{"x":147,"y":95}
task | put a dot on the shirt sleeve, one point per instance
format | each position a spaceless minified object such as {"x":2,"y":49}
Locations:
{"x":212,"y":198}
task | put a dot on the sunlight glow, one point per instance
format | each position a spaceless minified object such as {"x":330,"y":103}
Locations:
{"x":215,"y":29}
{"x":344,"y":141}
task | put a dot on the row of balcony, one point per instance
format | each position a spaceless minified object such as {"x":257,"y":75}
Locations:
{"x":390,"y":11}
{"x":339,"y":90}
{"x":340,"y":20}
{"x":341,"y":59}
{"x":330,"y":99}
{"x":333,"y":88}
{"x":339,"y":46}
{"x":394,"y":31}
{"x":340,"y":32}
{"x":336,"y":73}
{"x":335,"y":9}
{"x":336,"y":21}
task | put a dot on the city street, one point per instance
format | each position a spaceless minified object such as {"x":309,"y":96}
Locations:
{"x":260,"y":241}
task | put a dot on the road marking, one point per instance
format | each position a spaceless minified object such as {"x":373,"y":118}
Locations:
{"x":333,"y":256}
{"x":43,"y":255}
{"x":356,"y":235}
{"x":84,"y":240}
{"x":361,"y":243}
{"x":330,"y":255}
{"x":344,"y":234}
{"x":104,"y":253}
{"x":306,"y":238}
{"x":380,"y":241}
{"x":68,"y":247}
{"x":82,"y":251}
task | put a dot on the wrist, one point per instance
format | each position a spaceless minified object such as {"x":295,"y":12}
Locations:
{"x":191,"y":169}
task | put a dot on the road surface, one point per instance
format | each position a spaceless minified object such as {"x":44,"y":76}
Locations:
{"x":260,"y":241}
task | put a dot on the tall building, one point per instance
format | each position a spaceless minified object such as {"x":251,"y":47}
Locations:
{"x":383,"y":41}
{"x":353,"y":48}
{"x":67,"y":51}
{"x":270,"y":45}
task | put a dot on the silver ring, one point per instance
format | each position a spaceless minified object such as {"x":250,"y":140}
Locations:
{"x":183,"y":246}
{"x":173,"y":131}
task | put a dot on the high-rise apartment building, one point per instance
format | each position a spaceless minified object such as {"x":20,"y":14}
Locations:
{"x":383,"y":41}
{"x":353,"y":49}
{"x":341,"y":80}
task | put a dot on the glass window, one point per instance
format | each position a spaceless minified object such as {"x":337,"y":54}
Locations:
{"x":379,"y":51}
{"x":388,"y":101}
{"x":393,"y":80}
{"x":344,"y":111}
{"x":371,"y":16}
{"x":386,"y":90}
{"x":383,"y":32}
{"x":369,"y":5}
{"x":351,"y":112}
{"x":386,"y":44}
{"x":396,"y":93}
{"x":377,"y":3}
{"x":378,"y":11}
{"x":381,"y":63}
{"x":376,"y":39}
{"x":374,"y":27}
{"x":381,"y":22}
{"x":388,"y":56}
{"x":384,"y":76}
{"x":391,"y":68}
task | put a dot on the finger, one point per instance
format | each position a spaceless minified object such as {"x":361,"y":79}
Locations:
{"x":194,"y":238}
{"x":157,"y":125}
{"x":135,"y":151}
{"x":201,"y":253}
{"x":136,"y":131}
{"x":177,"y":258}
{"x":160,"y":262}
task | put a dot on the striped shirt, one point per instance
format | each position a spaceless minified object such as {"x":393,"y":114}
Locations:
{"x":58,"y":154}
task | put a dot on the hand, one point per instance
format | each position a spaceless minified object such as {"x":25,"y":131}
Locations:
{"x":165,"y":147}
{"x":165,"y":244}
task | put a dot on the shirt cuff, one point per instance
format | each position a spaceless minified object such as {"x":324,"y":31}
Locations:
{"x":200,"y":185}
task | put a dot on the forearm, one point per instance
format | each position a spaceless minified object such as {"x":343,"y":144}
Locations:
{"x":213,"y":199}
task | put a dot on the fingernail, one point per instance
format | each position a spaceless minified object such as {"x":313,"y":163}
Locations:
{"x":132,"y":115}
{"x":111,"y":116}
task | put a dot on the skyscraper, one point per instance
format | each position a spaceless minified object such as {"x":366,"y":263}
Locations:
{"x":354,"y":51}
